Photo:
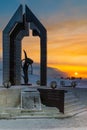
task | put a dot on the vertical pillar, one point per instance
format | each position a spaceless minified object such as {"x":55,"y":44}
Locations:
{"x":6,"y":58}
{"x":43,"y":58}
{"x":17,"y":18}
{"x":20,"y":30}
{"x":31,"y":18}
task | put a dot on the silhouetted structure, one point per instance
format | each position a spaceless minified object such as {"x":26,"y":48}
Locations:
{"x":17,"y":28}
{"x":26,"y":62}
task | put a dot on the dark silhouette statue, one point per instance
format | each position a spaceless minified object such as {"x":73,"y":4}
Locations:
{"x":26,"y":62}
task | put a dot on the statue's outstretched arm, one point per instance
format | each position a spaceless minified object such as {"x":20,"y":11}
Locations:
{"x":25,"y":54}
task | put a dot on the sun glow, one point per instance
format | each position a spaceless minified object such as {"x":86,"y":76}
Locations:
{"x":76,"y":73}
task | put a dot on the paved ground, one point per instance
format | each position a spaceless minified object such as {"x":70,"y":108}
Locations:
{"x":78,"y":122}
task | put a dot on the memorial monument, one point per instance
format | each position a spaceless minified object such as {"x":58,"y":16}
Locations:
{"x":18,"y":27}
{"x":31,"y":98}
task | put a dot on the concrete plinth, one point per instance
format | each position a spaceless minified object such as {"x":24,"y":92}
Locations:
{"x":30,"y":99}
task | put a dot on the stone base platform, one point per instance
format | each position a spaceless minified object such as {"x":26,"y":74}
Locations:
{"x":46,"y":112}
{"x":10,"y":105}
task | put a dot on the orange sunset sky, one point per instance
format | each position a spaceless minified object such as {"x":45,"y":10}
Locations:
{"x":66,"y":24}
{"x":67,"y":47}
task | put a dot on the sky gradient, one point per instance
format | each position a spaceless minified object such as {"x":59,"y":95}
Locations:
{"x":66,"y":24}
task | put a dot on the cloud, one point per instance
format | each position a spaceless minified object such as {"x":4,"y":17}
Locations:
{"x":70,"y":24}
{"x":67,"y":44}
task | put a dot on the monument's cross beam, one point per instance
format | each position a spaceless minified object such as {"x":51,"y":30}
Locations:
{"x":13,"y":33}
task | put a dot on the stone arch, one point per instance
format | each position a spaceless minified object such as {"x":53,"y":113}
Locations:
{"x":15,"y":30}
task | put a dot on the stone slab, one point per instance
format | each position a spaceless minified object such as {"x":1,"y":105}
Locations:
{"x":30,"y":99}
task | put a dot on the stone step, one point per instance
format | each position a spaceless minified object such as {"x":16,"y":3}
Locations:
{"x":45,"y":112}
{"x":12,"y":110}
{"x":73,"y":109}
{"x":71,"y":100}
{"x":70,"y":96}
{"x":73,"y":104}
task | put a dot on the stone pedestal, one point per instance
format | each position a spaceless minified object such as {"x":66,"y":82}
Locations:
{"x":30,"y":99}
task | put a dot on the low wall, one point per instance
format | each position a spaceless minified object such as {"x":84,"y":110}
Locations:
{"x":10,"y":97}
